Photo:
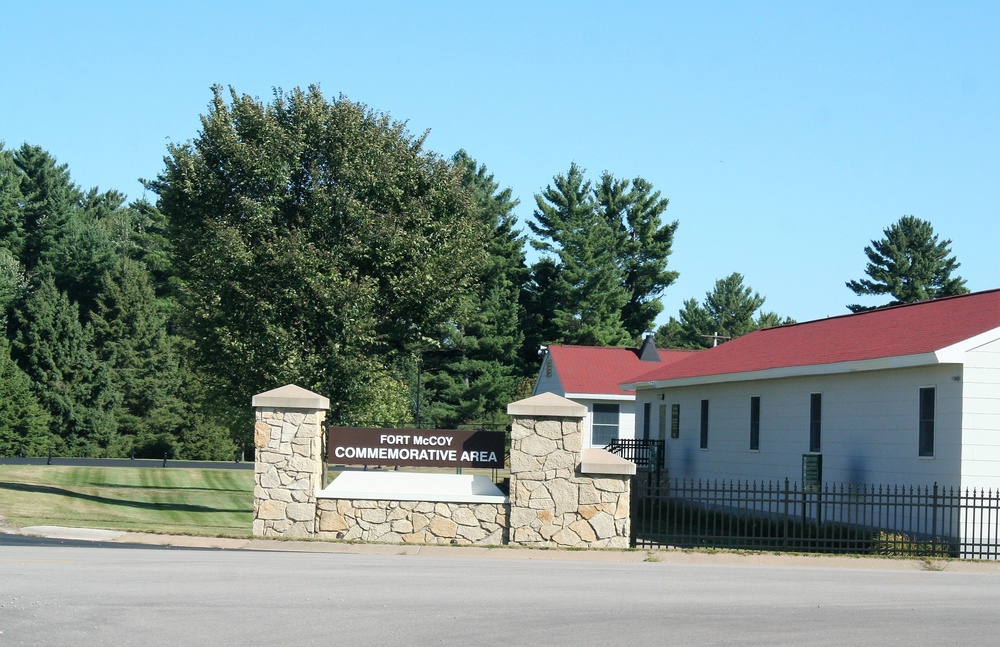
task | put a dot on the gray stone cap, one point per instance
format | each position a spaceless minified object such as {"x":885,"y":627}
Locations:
{"x":291,"y":396}
{"x":547,"y":405}
{"x":601,"y":461}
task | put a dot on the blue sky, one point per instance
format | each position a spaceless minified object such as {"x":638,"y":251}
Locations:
{"x":787,"y":135}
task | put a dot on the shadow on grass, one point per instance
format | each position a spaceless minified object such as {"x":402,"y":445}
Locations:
{"x":144,"y":505}
{"x":113,"y":486}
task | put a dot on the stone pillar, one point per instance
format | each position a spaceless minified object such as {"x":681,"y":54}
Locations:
{"x":289,"y":439}
{"x":560,"y":494}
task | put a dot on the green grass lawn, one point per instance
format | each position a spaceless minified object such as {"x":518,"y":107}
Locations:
{"x":215,"y":502}
{"x":212,"y":502}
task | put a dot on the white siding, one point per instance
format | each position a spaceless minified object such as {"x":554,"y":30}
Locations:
{"x":626,"y":418}
{"x":548,"y":378}
{"x":869,"y":428}
{"x":981,"y":417}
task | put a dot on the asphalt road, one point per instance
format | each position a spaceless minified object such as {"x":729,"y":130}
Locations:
{"x":71,"y":594}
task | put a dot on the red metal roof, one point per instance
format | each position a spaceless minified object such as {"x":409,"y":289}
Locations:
{"x":597,"y":369}
{"x":897,"y":331}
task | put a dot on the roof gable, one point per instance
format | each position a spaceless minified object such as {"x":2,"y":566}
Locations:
{"x":917,"y":329}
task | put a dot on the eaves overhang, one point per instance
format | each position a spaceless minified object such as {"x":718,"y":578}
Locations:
{"x":950,"y":355}
{"x":623,"y":397}
{"x":955,"y":354}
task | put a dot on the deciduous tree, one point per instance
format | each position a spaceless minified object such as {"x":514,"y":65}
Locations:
{"x":312,"y":239}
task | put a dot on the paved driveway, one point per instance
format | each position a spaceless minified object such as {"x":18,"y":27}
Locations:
{"x":93,"y":595}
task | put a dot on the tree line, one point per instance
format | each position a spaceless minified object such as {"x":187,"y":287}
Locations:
{"x":318,"y":242}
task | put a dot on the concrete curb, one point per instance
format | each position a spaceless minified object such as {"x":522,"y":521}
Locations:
{"x":664,"y":556}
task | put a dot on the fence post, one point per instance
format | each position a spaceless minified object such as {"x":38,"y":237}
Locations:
{"x":934,"y":533}
{"x":633,"y":531}
{"x":784,"y":535}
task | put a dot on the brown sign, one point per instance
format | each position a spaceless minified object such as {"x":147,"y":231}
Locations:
{"x":415,"y":447}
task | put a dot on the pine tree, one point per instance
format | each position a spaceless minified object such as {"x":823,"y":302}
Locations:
{"x":64,"y":232}
{"x":910,"y":264}
{"x":607,"y":266}
{"x":49,"y":198}
{"x":538,"y":302}
{"x":130,"y":339}
{"x":588,"y":288}
{"x":12,"y":286}
{"x":643,"y":247}
{"x":144,"y":237}
{"x":56,"y":352}
{"x":121,"y":368}
{"x":11,"y":214}
{"x":474,"y":372}
{"x":727,"y":312}
{"x":24,"y":424}
{"x":79,"y":258}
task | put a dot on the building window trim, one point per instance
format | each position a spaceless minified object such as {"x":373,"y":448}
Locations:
{"x":755,"y":423}
{"x":602,"y":429}
{"x":703,"y":441}
{"x":926,"y":414}
{"x":815,"y":422}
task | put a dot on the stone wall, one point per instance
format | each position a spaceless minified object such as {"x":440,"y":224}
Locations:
{"x":289,"y":439}
{"x":561,"y":495}
{"x":554,"y":500}
{"x":412,"y":522}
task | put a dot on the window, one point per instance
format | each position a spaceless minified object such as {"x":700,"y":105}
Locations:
{"x":605,"y":425}
{"x":675,"y":421}
{"x":704,"y":424}
{"x":927,"y":421}
{"x":646,"y":410}
{"x":661,"y":423}
{"x":815,"y":415}
{"x":755,"y":423}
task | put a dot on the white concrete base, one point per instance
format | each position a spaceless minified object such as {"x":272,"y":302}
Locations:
{"x":601,"y":461}
{"x":410,"y":486}
{"x":61,"y":532}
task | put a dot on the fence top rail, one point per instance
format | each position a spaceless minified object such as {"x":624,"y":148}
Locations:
{"x":827,"y":488}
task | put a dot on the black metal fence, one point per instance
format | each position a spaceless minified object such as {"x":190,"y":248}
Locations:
{"x":836,"y":518}
{"x":644,"y":452}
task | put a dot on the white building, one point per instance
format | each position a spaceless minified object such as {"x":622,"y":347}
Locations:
{"x":592,"y":376}
{"x":905,"y":395}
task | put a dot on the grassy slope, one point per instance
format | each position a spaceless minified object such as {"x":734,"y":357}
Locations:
{"x":187,"y":501}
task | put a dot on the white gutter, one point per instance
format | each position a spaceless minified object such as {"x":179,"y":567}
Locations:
{"x":950,"y":355}
{"x":600,"y":396}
